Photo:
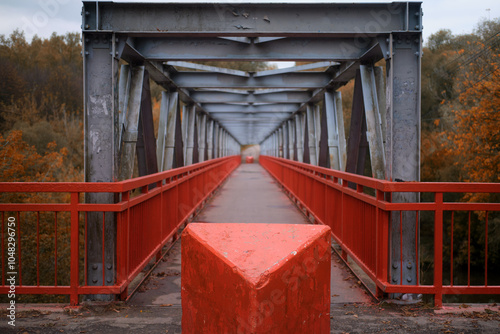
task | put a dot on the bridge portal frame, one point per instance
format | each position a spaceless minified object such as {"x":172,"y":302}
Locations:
{"x":148,"y":40}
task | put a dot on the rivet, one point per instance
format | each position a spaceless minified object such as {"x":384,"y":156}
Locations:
{"x":87,"y":13}
{"x":394,"y":279}
{"x":109,"y":267}
{"x":395,"y":265}
{"x":409,"y":265}
{"x":108,"y":280}
{"x":408,"y":279}
{"x":94,"y":266}
{"x":94,"y":281}
{"x":87,"y":26}
{"x":417,"y":27}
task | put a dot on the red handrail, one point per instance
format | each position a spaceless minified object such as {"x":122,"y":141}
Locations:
{"x":355,"y":217}
{"x":145,"y":223}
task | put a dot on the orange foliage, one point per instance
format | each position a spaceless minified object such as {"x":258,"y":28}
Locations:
{"x":20,"y":162}
{"x":475,"y":137}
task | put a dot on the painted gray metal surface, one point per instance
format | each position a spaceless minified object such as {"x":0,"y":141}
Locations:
{"x":272,"y":107}
{"x":335,"y":129}
{"x":288,"y":49}
{"x":373,"y":121}
{"x":101,"y":122}
{"x":252,"y":20}
{"x":403,"y":145}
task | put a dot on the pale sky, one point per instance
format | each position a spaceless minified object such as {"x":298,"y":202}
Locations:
{"x":44,"y":17}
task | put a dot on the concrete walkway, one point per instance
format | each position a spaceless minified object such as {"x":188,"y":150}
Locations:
{"x":250,"y":195}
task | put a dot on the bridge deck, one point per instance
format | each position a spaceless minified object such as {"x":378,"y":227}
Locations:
{"x":249,"y":196}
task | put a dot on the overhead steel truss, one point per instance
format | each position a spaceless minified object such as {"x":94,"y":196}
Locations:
{"x":295,"y":113}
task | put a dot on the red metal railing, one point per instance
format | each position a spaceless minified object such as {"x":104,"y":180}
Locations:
{"x":360,"y":223}
{"x":50,"y":250}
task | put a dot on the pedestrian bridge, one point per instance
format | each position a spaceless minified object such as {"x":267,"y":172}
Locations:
{"x":146,"y":178}
{"x":53,"y":238}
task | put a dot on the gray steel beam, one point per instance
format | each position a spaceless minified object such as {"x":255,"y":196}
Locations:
{"x":311,"y":132}
{"x":162,"y":130}
{"x":169,"y":105}
{"x":216,"y":140}
{"x":403,"y":147}
{"x":202,"y":136}
{"x":191,"y":110}
{"x":213,"y":69}
{"x":128,"y":147}
{"x":250,"y":109}
{"x":299,"y":68}
{"x":288,"y":49}
{"x":291,"y":139}
{"x":373,"y":121}
{"x":252,"y":19}
{"x":204,"y":97}
{"x":299,"y":128}
{"x":280,"y":142}
{"x":217,"y":80}
{"x":123,"y":91}
{"x":184,"y":126}
{"x":317,"y":130}
{"x":336,"y":131}
{"x":210,"y":139}
{"x":101,"y":121}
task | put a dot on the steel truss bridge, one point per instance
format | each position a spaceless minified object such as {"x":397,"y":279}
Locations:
{"x":207,"y":113}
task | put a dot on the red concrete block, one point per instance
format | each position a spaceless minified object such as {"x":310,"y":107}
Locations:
{"x":256,"y":278}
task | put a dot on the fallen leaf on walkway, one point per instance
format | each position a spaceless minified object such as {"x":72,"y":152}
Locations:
{"x":165,"y":305}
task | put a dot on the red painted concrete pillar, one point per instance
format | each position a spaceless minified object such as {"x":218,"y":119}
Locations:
{"x":256,"y":278}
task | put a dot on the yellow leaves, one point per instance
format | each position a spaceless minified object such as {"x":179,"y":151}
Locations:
{"x":436,"y":122}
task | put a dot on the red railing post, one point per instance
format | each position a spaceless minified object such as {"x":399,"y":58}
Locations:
{"x":382,"y":245}
{"x":438,"y":250}
{"x":75,"y":249}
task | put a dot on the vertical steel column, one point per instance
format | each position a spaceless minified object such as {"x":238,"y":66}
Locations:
{"x":202,"y":136}
{"x":299,"y":129}
{"x":285,"y":140}
{"x":190,"y":135}
{"x":210,"y":139}
{"x":373,"y":121}
{"x":226,"y":136}
{"x":312,"y":135}
{"x":162,"y":130}
{"x":221,"y":135}
{"x":291,"y":139}
{"x":184,"y":127}
{"x":123,"y":99}
{"x":131,"y":122}
{"x":169,"y":104}
{"x":317,"y":130}
{"x":216,"y":140}
{"x":336,"y":132}
{"x":280,"y":142}
{"x":101,"y":121}
{"x":403,"y":147}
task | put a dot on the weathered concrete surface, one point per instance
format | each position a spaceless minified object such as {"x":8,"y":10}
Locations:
{"x":256,"y":278}
{"x":349,"y":318}
{"x":251,"y":196}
